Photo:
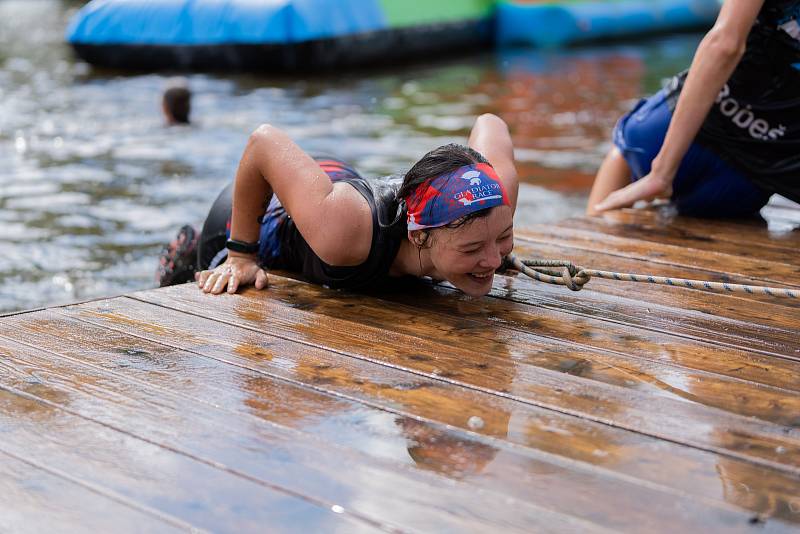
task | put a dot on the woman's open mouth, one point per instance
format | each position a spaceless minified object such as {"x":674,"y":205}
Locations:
{"x":481,"y":277}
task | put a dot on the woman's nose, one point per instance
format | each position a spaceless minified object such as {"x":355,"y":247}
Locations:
{"x":492,"y":259}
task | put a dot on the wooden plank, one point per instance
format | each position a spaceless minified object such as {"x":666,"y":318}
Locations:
{"x":717,"y":251}
{"x":279,"y":459}
{"x":752,"y":231}
{"x":728,"y":305}
{"x":282,"y":459}
{"x":766,"y":327}
{"x":39,"y":428}
{"x":656,"y":416}
{"x":654,"y":337}
{"x":41,"y":499}
{"x":612,"y":304}
{"x":747,"y":245}
{"x":612,"y":325}
{"x":547,"y":321}
{"x":417,"y":395}
{"x":670,"y":311}
{"x":715,"y":264}
{"x":660,"y":365}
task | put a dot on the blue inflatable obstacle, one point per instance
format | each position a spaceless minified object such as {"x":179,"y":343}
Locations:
{"x":551,"y":24}
{"x":270,"y":35}
{"x":290,"y":35}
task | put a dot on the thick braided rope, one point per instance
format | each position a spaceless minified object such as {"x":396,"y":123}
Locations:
{"x":564,"y":273}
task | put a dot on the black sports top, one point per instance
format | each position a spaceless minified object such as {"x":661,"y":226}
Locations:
{"x":755,"y":121}
{"x":388,"y":231}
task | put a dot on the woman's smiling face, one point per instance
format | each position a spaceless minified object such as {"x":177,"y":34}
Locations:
{"x":469,"y":255}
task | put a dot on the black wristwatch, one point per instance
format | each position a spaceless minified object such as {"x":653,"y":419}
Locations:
{"x":242,"y":247}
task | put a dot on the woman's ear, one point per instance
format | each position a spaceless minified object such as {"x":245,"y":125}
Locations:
{"x":418,"y":237}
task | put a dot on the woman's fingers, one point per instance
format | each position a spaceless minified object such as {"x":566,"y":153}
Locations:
{"x":617,"y":199}
{"x":644,"y":189}
{"x":233,"y":283}
{"x":216,"y":282}
{"x":231,"y":276}
{"x":261,"y":279}
{"x":211,"y":279}
{"x":222,"y":280}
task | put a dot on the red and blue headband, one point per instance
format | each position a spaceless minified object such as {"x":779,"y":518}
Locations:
{"x":454,"y":195}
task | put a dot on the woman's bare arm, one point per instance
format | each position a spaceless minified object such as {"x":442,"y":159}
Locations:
{"x":334,"y":219}
{"x":490,"y":137}
{"x":715,"y":60}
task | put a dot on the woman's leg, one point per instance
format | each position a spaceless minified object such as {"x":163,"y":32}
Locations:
{"x":707,"y":186}
{"x":637,"y":138}
{"x":614,"y":173}
{"x":177,"y":262}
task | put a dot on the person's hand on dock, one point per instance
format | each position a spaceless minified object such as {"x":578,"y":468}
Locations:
{"x":238,"y":270}
{"x":649,"y":187}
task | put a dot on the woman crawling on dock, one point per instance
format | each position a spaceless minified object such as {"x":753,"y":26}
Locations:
{"x":723,"y":136}
{"x":449,"y":218}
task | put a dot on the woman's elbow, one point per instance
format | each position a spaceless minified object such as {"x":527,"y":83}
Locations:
{"x":725,"y":47}
{"x":490,"y":118}
{"x":264,"y":134}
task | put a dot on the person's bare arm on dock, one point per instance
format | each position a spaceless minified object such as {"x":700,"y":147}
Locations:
{"x":335,"y":220}
{"x":715,"y":60}
{"x":490,"y":137}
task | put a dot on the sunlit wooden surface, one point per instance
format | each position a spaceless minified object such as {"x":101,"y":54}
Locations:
{"x":623,"y":407}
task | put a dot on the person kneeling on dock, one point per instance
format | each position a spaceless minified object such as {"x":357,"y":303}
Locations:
{"x":723,"y":136}
{"x":450,"y":218}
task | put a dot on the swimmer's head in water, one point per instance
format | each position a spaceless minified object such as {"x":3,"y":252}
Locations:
{"x":177,"y":102}
{"x":467,"y":249}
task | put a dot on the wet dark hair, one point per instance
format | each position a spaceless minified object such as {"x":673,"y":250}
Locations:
{"x":440,"y":161}
{"x":178,"y":101}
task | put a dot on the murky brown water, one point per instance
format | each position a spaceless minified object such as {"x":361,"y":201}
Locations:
{"x":92,"y":183}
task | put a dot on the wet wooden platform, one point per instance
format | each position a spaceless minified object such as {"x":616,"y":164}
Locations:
{"x":620,"y":408}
